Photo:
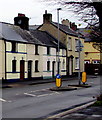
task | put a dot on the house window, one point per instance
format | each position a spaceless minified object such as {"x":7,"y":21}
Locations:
{"x":13,"y":65}
{"x":76,"y":63}
{"x":96,"y":61}
{"x":48,"y":50}
{"x":36,"y":66}
{"x":69,"y":43}
{"x":48,"y":65}
{"x":63,"y":64}
{"x":87,"y":61}
{"x":63,"y":52}
{"x":36,"y":50}
{"x":14,"y":47}
{"x":76,"y":44}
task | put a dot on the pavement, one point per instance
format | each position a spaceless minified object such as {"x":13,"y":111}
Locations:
{"x":85,"y":112}
{"x":34,"y":82}
{"x":88,"y":113}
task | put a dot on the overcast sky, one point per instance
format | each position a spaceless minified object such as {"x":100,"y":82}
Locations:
{"x":34,"y":9}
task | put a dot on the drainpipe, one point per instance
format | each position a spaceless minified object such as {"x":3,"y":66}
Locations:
{"x":5,"y":59}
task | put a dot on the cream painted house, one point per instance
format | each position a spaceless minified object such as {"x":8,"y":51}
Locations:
{"x":13,"y":48}
{"x":69,"y":38}
{"x":27,"y":55}
{"x":2,"y":57}
{"x":48,"y":54}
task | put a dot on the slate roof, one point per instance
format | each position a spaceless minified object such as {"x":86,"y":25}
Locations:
{"x":9,"y":33}
{"x":46,"y":38}
{"x":86,"y":34}
{"x":12,"y":32}
{"x":65,"y":29}
{"x":33,"y":27}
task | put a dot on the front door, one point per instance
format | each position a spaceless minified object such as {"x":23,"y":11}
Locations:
{"x":29,"y":69}
{"x":22,"y":70}
{"x":70,"y":66}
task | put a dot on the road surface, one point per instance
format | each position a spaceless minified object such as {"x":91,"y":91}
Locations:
{"x":37,"y":101}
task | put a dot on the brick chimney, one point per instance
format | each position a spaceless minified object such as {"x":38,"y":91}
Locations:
{"x":47,"y":17}
{"x":22,"y":21}
{"x":66,"y":22}
{"x":73,"y":26}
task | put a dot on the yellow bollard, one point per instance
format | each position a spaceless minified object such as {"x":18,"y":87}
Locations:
{"x":58,"y":82}
{"x":84,"y":79}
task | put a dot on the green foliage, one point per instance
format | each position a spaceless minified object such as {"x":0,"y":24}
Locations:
{"x":98,"y":103}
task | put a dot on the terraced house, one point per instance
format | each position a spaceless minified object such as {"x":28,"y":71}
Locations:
{"x":70,"y":38}
{"x":28,"y":54}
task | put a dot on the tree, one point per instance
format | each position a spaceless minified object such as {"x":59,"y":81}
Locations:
{"x":94,"y":9}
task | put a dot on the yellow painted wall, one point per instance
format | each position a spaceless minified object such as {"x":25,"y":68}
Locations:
{"x":93,"y":54}
{"x":64,"y":38}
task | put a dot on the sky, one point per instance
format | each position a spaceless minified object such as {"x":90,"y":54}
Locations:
{"x":34,"y":9}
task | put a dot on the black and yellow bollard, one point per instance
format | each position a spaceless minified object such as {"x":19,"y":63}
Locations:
{"x":84,"y":78}
{"x":58,"y":81}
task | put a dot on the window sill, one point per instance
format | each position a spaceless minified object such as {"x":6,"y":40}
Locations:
{"x":36,"y":71}
{"x":36,"y":54}
{"x":14,"y":72}
{"x":76,"y":68}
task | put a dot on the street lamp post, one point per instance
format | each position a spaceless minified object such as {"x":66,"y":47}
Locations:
{"x":79,"y":61}
{"x":80,"y":46}
{"x":58,"y":39}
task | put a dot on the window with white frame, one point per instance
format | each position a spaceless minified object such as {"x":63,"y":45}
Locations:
{"x":62,"y":52}
{"x":63,"y":64}
{"x":48,"y":65}
{"x":14,"y":46}
{"x":48,"y":50}
{"x":69,"y":43}
{"x":96,"y":61}
{"x":36,"y":66}
{"x":87,"y":61}
{"x":76,"y":63}
{"x":76,"y":44}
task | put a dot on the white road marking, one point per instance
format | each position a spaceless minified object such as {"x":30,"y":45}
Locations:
{"x":40,"y":90}
{"x":29,"y":94}
{"x":48,"y":94}
{"x":41,"y":95}
{"x":2,"y":100}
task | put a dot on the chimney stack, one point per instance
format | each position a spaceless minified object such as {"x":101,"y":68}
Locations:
{"x":66,"y":22}
{"x":73,"y":26}
{"x":47,"y":17}
{"x":22,"y":21}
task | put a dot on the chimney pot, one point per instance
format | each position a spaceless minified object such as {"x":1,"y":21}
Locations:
{"x":45,"y":11}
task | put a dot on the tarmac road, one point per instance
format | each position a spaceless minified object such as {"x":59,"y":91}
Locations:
{"x":37,"y":101}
